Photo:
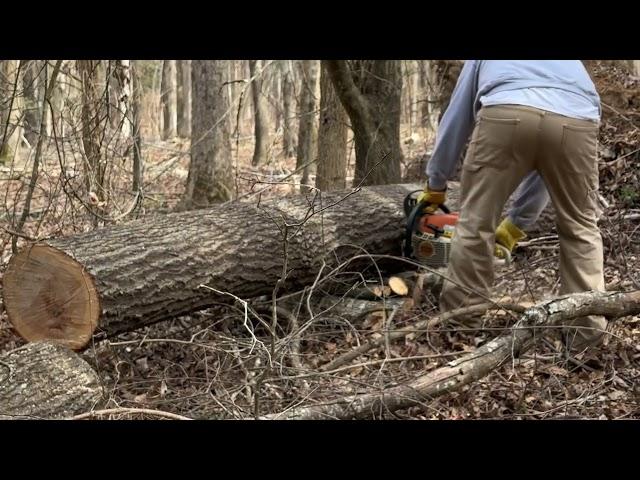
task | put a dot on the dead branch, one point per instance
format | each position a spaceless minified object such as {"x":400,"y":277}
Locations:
{"x":417,"y":329}
{"x":476,"y":364}
{"x":138,"y":411}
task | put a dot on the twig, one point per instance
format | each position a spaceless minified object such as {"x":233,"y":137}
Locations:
{"x":114,"y":411}
{"x":369,"y":363}
{"x":419,"y":327}
{"x":18,"y":234}
{"x":36,"y":160}
{"x":246,"y":314}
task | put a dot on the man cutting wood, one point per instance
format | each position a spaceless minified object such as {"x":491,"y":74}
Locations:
{"x":533,"y":124}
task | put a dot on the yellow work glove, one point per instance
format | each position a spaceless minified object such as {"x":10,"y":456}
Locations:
{"x":434,"y":199}
{"x":507,"y":237}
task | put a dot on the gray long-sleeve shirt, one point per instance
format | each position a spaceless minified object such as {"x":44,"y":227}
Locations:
{"x":559,"y":86}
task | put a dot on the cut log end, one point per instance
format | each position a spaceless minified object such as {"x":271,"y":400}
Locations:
{"x":50,"y":297}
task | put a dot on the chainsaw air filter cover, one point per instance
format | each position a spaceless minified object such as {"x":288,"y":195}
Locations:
{"x":430,"y":250}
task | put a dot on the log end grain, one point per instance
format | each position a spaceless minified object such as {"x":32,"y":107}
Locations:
{"x":50,"y":297}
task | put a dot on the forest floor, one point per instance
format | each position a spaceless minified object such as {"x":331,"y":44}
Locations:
{"x":206,"y":365}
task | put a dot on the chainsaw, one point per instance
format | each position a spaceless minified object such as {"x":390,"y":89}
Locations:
{"x":428,"y":235}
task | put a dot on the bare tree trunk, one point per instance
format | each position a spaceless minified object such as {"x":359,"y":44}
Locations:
{"x":370,"y":91}
{"x":59,"y":95}
{"x":32,"y":104}
{"x":308,"y":115}
{"x":444,"y":75}
{"x":275,"y":87}
{"x":134,"y":274}
{"x":288,"y":135}
{"x":93,"y":124}
{"x":261,"y":112}
{"x":122,"y":76}
{"x":428,"y":92}
{"x":9,"y":109}
{"x":45,"y":381}
{"x":413,"y":94}
{"x":184,"y":98}
{"x":43,"y":80}
{"x":136,"y":110}
{"x":168,"y":98}
{"x":210,"y":177}
{"x":332,"y":138}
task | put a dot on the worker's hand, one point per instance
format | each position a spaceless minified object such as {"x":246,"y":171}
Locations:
{"x":434,"y":199}
{"x":507,"y":237}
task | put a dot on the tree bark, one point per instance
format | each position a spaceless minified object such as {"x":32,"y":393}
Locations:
{"x":136,"y":112}
{"x":41,"y":380}
{"x":261,"y":112}
{"x":332,"y":138}
{"x":476,"y":364}
{"x":210,"y":178}
{"x":119,"y":89}
{"x":370,"y":92}
{"x":128,"y":276}
{"x":9,"y":109}
{"x":288,"y":99}
{"x":93,"y":125}
{"x":169,"y":100}
{"x":444,"y":76}
{"x":32,"y":104}
{"x":184,"y":98}
{"x":307,"y":113}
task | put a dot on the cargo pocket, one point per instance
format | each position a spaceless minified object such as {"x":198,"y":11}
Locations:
{"x":491,"y":143}
{"x":580,"y":150}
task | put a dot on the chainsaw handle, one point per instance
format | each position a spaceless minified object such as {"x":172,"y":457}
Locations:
{"x":410,"y":204}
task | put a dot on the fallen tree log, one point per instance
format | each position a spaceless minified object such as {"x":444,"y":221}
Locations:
{"x":41,"y":380}
{"x":475,"y":365}
{"x":127,"y":276}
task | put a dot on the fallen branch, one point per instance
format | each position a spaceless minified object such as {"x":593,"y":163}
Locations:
{"x":420,"y":327}
{"x":139,"y":411}
{"x":476,"y":364}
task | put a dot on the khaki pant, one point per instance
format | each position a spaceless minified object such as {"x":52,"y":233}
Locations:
{"x":507,"y":143}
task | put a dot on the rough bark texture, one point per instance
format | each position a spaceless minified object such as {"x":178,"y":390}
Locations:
{"x":152,"y":269}
{"x":307,"y":113}
{"x":32,"y":104}
{"x":168,"y":99}
{"x":332,"y":138}
{"x":260,"y":110}
{"x":288,"y":134}
{"x":119,"y":87}
{"x":136,"y":112}
{"x":9,"y":109}
{"x":370,"y":92}
{"x":47,"y":381}
{"x":184,"y":98}
{"x":444,"y":76}
{"x":476,"y":364}
{"x":210,"y":178}
{"x":93,"y":125}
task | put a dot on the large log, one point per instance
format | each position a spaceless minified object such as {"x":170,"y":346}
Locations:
{"x":41,"y":380}
{"x":127,"y":276}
